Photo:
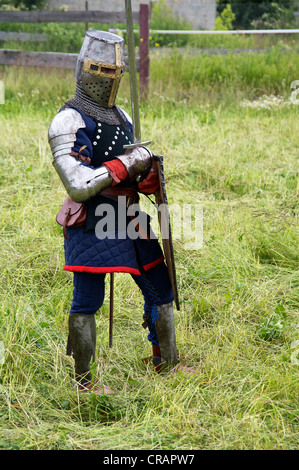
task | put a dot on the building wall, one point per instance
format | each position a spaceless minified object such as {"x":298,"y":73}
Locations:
{"x":201,"y":13}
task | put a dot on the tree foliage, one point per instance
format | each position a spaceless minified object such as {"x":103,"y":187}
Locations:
{"x":225,"y":19}
{"x":257,"y":13}
{"x":24,"y":4}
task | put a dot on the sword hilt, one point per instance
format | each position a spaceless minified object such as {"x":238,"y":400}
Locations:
{"x":136,"y":144}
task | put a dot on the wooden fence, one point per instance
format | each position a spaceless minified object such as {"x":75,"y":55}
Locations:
{"x":65,"y":60}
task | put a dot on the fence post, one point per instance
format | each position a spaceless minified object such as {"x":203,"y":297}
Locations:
{"x":144,"y":21}
{"x":86,"y":9}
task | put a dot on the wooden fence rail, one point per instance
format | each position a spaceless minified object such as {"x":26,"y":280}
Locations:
{"x":91,"y":16}
{"x":11,"y":36}
{"x":38,"y":59}
{"x":59,"y":60}
{"x":67,"y":61}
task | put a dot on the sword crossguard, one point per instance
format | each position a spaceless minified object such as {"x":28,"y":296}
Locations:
{"x":137,"y":144}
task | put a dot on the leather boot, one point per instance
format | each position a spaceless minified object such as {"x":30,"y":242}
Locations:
{"x":166,"y":337}
{"x":165,"y":354}
{"x":157,"y":360}
{"x":82,"y":340}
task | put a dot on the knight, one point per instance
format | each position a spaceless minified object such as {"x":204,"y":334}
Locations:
{"x":87,"y":138}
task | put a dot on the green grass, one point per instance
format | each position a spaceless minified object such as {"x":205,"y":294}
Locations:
{"x":239,"y":294}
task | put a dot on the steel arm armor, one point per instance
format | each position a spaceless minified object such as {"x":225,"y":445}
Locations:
{"x":80,"y":181}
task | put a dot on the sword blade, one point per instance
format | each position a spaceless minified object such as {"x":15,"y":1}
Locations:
{"x":133,"y":73}
{"x":167,"y":244}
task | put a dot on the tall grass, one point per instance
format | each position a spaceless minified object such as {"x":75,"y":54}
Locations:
{"x":239,"y":294}
{"x":249,"y":73}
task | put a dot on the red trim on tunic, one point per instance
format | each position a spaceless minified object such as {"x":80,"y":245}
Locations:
{"x":151,"y":265}
{"x":112,"y":269}
{"x":97,"y":269}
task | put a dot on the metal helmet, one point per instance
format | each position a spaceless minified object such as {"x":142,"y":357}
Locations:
{"x":100,"y":66}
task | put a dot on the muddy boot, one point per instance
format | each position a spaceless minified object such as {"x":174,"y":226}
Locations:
{"x":164,"y":356}
{"x":157,"y":360}
{"x":166,"y":337}
{"x":82,"y":342}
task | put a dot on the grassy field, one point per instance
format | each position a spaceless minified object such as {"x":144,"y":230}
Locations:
{"x":226,"y":146}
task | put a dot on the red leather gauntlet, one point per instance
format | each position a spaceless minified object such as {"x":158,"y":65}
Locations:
{"x":117,"y":170}
{"x":150,"y":184}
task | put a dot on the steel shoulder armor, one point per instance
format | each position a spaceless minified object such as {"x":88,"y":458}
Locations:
{"x":80,"y":181}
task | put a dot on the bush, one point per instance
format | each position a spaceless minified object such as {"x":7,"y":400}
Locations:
{"x":225,"y":19}
{"x":24,"y":4}
{"x":257,"y":12}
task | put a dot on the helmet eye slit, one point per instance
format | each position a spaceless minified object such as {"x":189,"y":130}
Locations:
{"x":108,"y":70}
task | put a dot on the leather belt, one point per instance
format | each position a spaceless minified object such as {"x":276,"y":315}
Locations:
{"x":114,"y":191}
{"x":132,"y":197}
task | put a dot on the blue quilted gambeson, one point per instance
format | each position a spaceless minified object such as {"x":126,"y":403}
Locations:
{"x":84,"y":251}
